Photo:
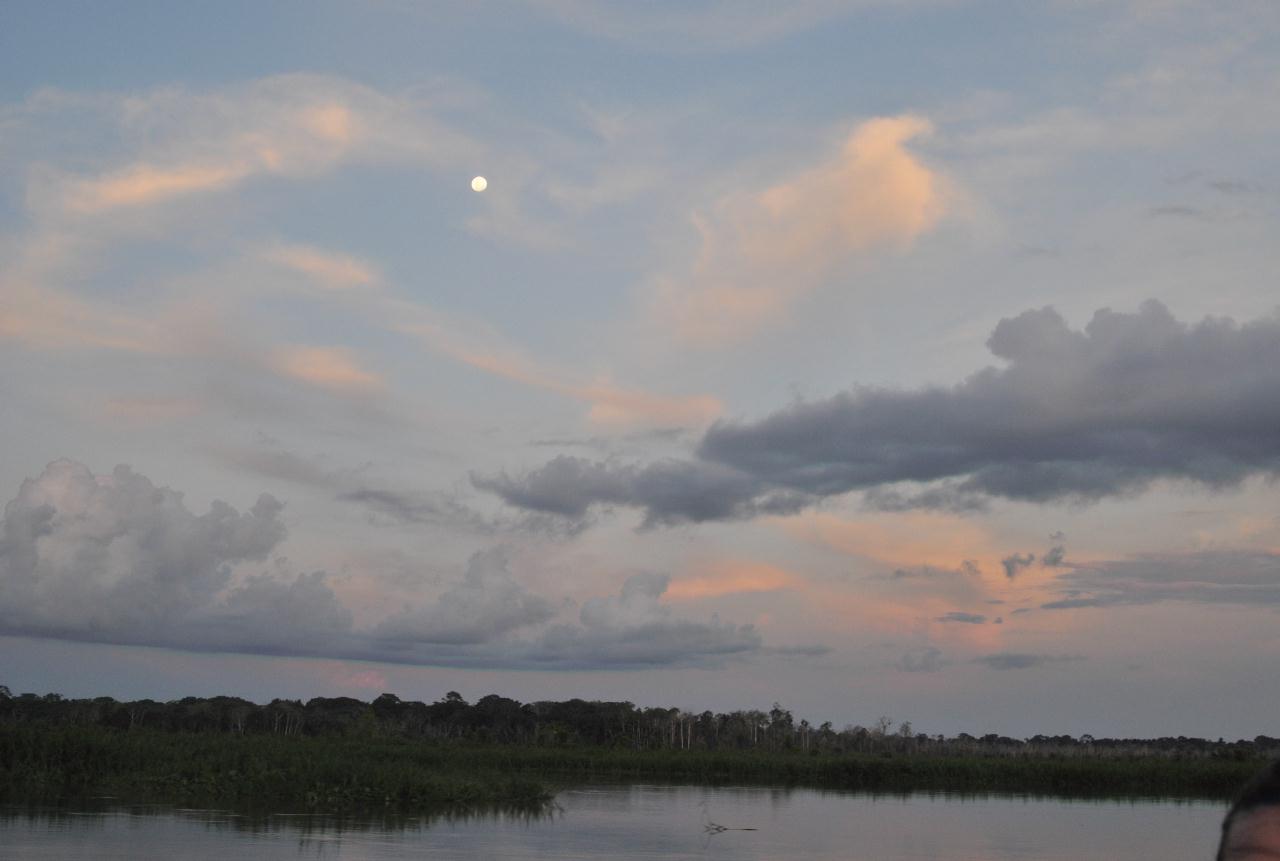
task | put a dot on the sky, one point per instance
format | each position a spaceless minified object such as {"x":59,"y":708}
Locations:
{"x":916,"y":359}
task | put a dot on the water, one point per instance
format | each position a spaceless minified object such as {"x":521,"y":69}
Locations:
{"x":649,"y":822}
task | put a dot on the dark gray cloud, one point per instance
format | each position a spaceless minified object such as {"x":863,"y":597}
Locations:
{"x":1055,"y":557}
{"x":947,"y":496}
{"x":958,"y":616}
{"x":117,"y":559}
{"x":1234,"y":186}
{"x":418,"y":508}
{"x":629,"y":630}
{"x":383,"y":504}
{"x":1014,"y":562}
{"x":1022,"y":661}
{"x":928,"y":660}
{"x":669,"y":491}
{"x":617,"y":444}
{"x":968,"y":568}
{"x":1071,"y":416}
{"x":1244,"y":577}
{"x":1075,"y":415}
{"x":272,"y":615}
{"x":1178,"y":210}
{"x":268,"y":459}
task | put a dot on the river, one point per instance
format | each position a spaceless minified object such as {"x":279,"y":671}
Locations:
{"x":648,"y":822}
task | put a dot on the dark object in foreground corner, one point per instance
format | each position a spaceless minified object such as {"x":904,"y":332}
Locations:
{"x":1251,"y":828}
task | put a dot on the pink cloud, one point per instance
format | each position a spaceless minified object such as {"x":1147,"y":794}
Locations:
{"x":334,"y":368}
{"x":729,"y":577}
{"x":760,"y":249}
{"x":325,"y":268}
{"x":609,"y":404}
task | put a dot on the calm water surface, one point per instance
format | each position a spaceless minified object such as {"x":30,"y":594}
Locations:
{"x":651,"y":822}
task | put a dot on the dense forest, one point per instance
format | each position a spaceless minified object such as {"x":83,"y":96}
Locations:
{"x":336,"y":753}
{"x":495,"y":719}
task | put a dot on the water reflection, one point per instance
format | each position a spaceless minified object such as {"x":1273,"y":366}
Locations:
{"x":645,"y":821}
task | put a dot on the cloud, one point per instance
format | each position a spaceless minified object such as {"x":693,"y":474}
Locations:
{"x":1220,"y":576}
{"x":966,"y":618}
{"x":155,"y":151}
{"x":761,"y":249}
{"x":609,"y":404}
{"x":41,"y":317}
{"x":140,"y":156}
{"x":353,"y":487}
{"x":1022,"y":661}
{"x":325,"y":268}
{"x":143,"y":184}
{"x":928,"y":660}
{"x":731,"y":577}
{"x":147,"y":411}
{"x":384,"y":503}
{"x":1174,"y":210}
{"x":267,"y":614}
{"x":278,"y":463}
{"x":1073,"y":416}
{"x":187,"y":143}
{"x":486,"y":604}
{"x":1055,"y":557}
{"x":116,"y":559}
{"x":633,"y":629}
{"x":1014,"y":563}
{"x":403,"y":507}
{"x":333,"y":368}
{"x":669,"y":491}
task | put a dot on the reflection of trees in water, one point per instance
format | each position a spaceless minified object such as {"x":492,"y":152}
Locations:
{"x":309,"y":826}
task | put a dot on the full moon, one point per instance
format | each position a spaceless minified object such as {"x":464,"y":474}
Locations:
{"x":479,"y":184}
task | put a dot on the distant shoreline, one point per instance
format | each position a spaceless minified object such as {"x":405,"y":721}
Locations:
{"x":343,"y":754}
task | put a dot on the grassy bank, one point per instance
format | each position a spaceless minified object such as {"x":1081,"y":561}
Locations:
{"x":335,"y":773}
{"x":1082,"y":776}
{"x":281,"y":772}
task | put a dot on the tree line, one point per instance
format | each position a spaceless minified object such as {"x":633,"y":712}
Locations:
{"x":495,"y":719}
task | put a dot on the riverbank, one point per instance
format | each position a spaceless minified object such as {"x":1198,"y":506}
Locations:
{"x":277,"y":771}
{"x":47,"y":764}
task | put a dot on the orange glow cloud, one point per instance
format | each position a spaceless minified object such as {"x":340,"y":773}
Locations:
{"x":271,"y":136}
{"x":619,"y":407}
{"x":729,"y":576}
{"x":332,"y":122}
{"x":327,"y":367}
{"x":873,"y":192}
{"x":610,"y":405}
{"x":52,"y":319}
{"x":761,"y":249}
{"x":904,"y":539}
{"x":151,"y":410}
{"x":330,"y":270}
{"x":145,"y":184}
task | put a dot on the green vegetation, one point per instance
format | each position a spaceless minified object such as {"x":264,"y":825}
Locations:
{"x":405,"y":757}
{"x":1140,"y":776}
{"x":42,"y":763}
